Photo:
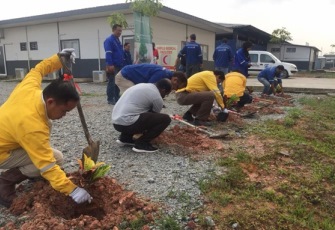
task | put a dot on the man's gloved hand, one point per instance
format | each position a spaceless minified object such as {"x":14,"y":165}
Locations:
{"x":68,"y":54}
{"x":80,"y":195}
{"x":223,"y":115}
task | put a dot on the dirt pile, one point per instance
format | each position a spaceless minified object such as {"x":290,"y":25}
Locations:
{"x":44,"y":208}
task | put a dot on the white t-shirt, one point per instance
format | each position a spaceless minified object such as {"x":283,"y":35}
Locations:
{"x":140,"y":98}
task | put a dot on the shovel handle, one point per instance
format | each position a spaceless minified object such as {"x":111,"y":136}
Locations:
{"x":178,"y":118}
{"x":83,"y":121}
{"x":68,"y":70}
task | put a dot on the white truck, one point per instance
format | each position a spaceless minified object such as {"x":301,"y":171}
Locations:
{"x":262,"y":59}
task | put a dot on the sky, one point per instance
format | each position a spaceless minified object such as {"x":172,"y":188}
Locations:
{"x":309,"y":22}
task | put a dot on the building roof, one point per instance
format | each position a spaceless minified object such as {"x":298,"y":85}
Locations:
{"x":105,"y":11}
{"x":247,"y":29}
{"x":312,"y":47}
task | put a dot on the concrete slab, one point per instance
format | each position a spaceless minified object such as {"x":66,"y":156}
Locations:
{"x":300,"y":85}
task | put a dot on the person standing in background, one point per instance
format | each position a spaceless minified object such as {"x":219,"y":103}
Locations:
{"x":193,"y":53}
{"x":242,"y":59}
{"x":223,"y":57}
{"x":114,"y":62}
{"x":155,"y":53}
{"x":127,"y":54}
{"x":180,"y":63}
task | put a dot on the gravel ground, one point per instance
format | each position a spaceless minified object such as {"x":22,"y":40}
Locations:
{"x":157,"y":176}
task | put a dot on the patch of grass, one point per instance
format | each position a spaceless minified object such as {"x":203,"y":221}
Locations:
{"x":168,"y":223}
{"x":280,"y":192}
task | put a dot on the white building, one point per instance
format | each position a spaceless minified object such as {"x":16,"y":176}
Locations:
{"x":26,"y":41}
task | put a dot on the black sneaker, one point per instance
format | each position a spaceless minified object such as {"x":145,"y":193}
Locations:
{"x":125,"y":142}
{"x":144,"y":148}
{"x":201,"y":123}
{"x":188,"y":116}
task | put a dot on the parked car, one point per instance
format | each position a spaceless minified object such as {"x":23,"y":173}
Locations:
{"x":262,"y":59}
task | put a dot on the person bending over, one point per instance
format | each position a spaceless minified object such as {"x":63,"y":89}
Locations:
{"x":235,"y":83}
{"x":200,"y":92}
{"x":145,"y":73}
{"x":270,"y":77}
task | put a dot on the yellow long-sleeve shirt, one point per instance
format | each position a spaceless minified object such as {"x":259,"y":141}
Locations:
{"x":204,"y":81}
{"x":234,"y":83}
{"x":24,"y":124}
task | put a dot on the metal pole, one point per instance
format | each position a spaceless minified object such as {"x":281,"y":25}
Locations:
{"x":28,"y":48}
{"x":99,"y":51}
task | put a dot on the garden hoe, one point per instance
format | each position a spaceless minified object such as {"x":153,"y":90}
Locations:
{"x":92,"y":150}
{"x":210,"y":134}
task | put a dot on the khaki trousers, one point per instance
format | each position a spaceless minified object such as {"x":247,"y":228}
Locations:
{"x":202,"y":103}
{"x":122,"y":82}
{"x":20,"y":159}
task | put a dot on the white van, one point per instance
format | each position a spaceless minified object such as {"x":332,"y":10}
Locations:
{"x":262,"y":59}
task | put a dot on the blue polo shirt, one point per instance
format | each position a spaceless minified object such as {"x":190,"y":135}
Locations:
{"x":269,"y":74}
{"x":222,"y":56}
{"x":145,"y":73}
{"x":114,"y":51}
{"x":193,"y":53}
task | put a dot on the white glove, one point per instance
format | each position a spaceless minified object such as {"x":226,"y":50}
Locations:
{"x":68,"y":53}
{"x":80,"y":195}
{"x":225,"y":110}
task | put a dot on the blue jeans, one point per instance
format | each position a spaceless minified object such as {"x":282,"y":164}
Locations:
{"x":267,"y":85}
{"x":113,"y":91}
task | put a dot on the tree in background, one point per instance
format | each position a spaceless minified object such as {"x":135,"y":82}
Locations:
{"x":332,"y":46}
{"x":117,"y":18}
{"x":280,"y":36}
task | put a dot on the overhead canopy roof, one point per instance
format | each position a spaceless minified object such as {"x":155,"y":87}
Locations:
{"x":250,"y":30}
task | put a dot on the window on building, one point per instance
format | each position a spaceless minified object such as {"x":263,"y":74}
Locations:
{"x":275,"y":50}
{"x":204,"y":49}
{"x":290,"y":50}
{"x":23,"y":46}
{"x":33,"y":46}
{"x":71,"y":43}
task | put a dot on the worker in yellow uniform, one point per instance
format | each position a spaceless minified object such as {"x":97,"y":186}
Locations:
{"x":236,"y":84}
{"x":25,"y":124}
{"x":200,"y":92}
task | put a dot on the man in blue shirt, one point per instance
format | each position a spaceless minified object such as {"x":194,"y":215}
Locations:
{"x":270,"y":77}
{"x":222,"y":57}
{"x":242,"y":59}
{"x":193,"y":53}
{"x":114,"y":62}
{"x":146,"y":73}
{"x":127,"y":54}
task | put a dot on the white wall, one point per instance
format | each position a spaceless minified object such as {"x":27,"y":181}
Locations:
{"x":165,"y":32}
{"x":301,"y":54}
